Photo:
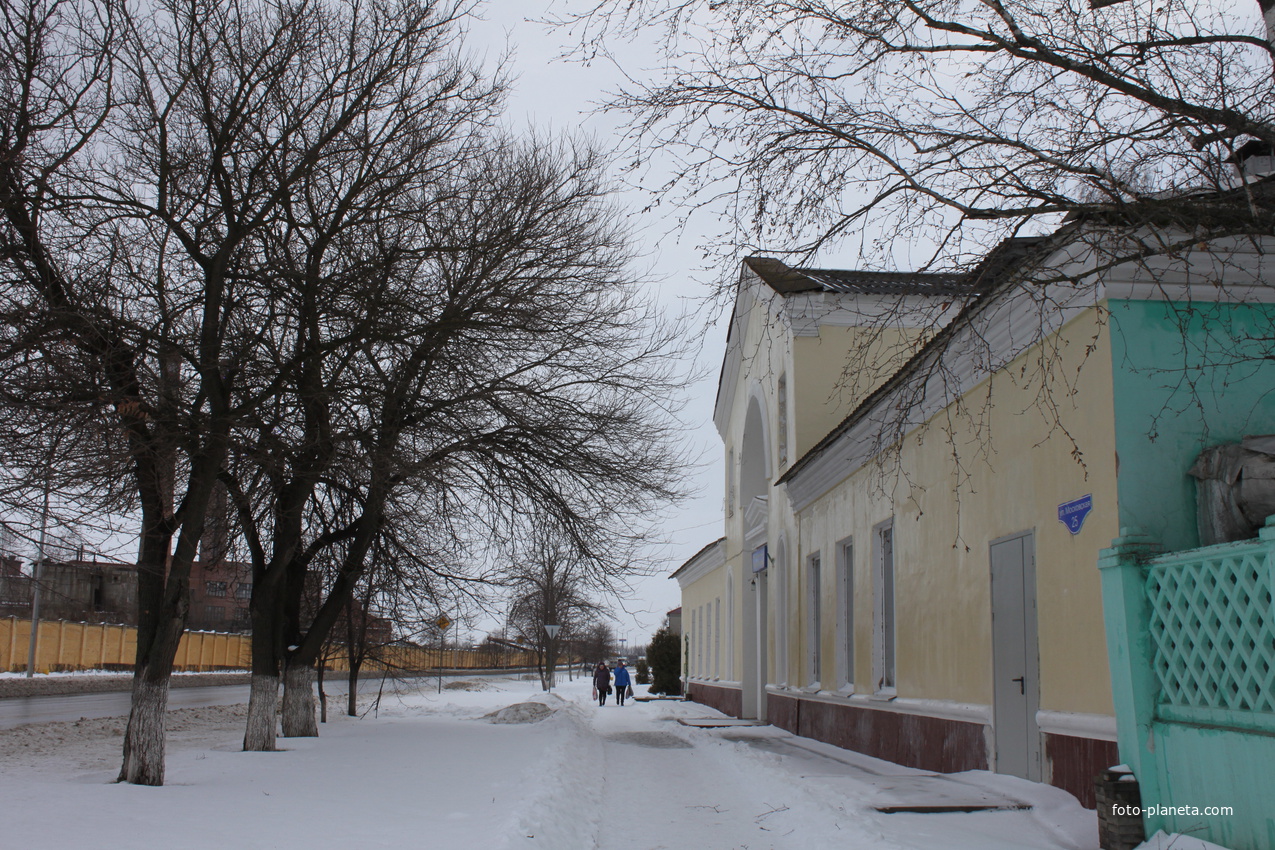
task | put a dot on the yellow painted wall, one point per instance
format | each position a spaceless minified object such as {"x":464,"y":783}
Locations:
{"x":64,"y":646}
{"x":1017,"y":466}
{"x":699,"y":601}
{"x":833,"y":372}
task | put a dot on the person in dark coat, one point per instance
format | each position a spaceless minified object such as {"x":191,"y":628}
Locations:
{"x":621,"y":681}
{"x":602,"y":682}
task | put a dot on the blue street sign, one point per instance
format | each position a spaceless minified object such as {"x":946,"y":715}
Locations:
{"x":1072,"y":514}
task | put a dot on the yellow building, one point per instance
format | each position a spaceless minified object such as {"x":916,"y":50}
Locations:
{"x":921,"y":470}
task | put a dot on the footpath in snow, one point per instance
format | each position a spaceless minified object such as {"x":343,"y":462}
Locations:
{"x":496,"y":763}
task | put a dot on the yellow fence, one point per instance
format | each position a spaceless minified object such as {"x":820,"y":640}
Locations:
{"x":92,"y":646}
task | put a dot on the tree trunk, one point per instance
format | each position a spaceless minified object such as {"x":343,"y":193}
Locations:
{"x":551,"y":665}
{"x":263,"y":708}
{"x":144,"y":738}
{"x":263,"y":702}
{"x":352,"y":700}
{"x":323,"y":697}
{"x":299,"y":710}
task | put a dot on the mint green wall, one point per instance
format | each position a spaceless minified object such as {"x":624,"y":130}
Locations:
{"x":1201,"y":767}
{"x":1185,"y":377}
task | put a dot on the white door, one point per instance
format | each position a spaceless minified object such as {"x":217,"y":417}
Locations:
{"x":756,"y":610}
{"x":1016,"y":661}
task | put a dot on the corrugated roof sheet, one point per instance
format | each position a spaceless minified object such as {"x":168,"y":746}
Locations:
{"x":787,"y":281}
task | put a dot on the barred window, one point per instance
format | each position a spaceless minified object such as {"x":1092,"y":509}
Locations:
{"x":243,"y":590}
{"x":215,"y":588}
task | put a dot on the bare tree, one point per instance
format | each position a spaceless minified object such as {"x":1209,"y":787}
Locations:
{"x":145,"y":161}
{"x":334,"y":256}
{"x":518,"y":367}
{"x":937,"y":127}
{"x":970,"y":138}
{"x":552,"y":585}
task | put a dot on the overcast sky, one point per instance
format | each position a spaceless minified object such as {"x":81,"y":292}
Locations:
{"x":551,"y":94}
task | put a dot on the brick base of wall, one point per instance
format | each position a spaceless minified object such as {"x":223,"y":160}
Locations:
{"x":913,"y":740}
{"x":1074,"y":763}
{"x":727,"y":700}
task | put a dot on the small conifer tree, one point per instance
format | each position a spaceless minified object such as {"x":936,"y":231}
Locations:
{"x":664,"y":656}
{"x":643,"y":676}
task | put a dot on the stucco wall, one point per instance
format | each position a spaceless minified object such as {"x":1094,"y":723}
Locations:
{"x":1019,"y":460}
{"x":836,"y":370}
{"x":699,"y":601}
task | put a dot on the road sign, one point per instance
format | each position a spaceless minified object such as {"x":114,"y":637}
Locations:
{"x":552,"y":630}
{"x":443,"y":622}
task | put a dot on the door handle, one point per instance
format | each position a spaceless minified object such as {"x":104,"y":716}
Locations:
{"x":1022,"y":689}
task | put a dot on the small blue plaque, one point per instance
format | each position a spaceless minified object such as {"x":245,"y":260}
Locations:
{"x":759,"y":558}
{"x":1072,"y":514}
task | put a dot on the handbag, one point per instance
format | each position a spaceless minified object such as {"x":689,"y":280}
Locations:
{"x":628,"y":692}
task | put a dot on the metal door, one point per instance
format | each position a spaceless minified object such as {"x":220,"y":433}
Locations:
{"x":1015,"y":657}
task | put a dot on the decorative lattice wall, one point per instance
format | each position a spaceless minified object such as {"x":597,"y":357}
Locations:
{"x":1213,"y":630}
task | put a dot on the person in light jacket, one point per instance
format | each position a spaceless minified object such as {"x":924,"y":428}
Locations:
{"x":621,"y":681}
{"x":601,"y":682}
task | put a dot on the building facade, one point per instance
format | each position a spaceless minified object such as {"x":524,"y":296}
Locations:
{"x":916,"y":495}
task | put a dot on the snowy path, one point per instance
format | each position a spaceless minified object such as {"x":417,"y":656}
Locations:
{"x":660,"y":792}
{"x":633,"y":777}
{"x":432,"y":771}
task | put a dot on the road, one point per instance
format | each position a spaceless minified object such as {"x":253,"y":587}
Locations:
{"x":19,"y":711}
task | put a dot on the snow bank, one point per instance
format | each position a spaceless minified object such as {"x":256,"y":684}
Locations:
{"x":565,"y":810}
{"x":521,"y":712}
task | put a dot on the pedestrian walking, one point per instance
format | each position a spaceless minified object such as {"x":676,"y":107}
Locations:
{"x":601,"y":682}
{"x":622,"y":686}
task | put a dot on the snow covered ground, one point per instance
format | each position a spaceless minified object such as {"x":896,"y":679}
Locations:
{"x":429,"y":770}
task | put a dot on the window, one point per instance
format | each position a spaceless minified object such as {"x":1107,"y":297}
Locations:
{"x":692,"y":660}
{"x":215,"y":588}
{"x":730,"y":483}
{"x":699,"y":642}
{"x":730,"y":624}
{"x":845,"y":612}
{"x":717,"y":638}
{"x":780,"y":569}
{"x":883,"y":597}
{"x":243,"y":590}
{"x":815,"y":635}
{"x":782,"y":404}
{"x":214,"y":613}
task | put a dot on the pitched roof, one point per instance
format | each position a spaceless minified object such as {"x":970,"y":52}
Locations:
{"x":788,"y":281}
{"x":991,"y":277}
{"x":692,"y":558}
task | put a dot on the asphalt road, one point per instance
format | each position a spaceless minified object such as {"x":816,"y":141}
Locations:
{"x":19,"y":711}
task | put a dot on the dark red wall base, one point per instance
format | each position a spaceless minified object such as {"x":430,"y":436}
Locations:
{"x":928,"y":743}
{"x":1073,"y":764}
{"x":728,"y":701}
